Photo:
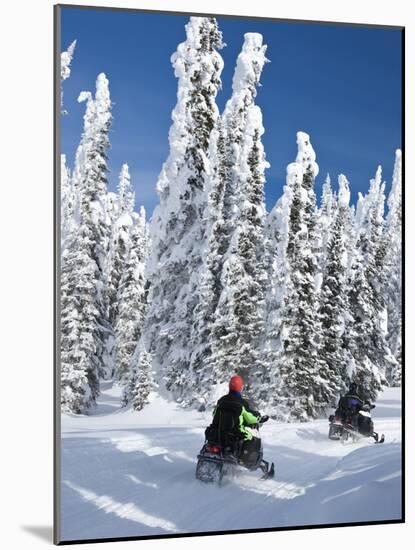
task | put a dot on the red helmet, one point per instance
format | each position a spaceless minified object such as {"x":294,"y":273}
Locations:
{"x":236,"y":383}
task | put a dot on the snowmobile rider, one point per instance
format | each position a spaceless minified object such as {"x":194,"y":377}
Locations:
{"x":232,"y":415}
{"x":350,"y":404}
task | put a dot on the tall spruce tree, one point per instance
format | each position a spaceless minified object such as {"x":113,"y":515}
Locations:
{"x":393,"y":271}
{"x":238,"y":323}
{"x":83,"y":323}
{"x":67,"y":203}
{"x":334,"y":306}
{"x":131,"y":300}
{"x":79,"y":324}
{"x":371,"y":354}
{"x":209,"y":286}
{"x":325,"y":219}
{"x":81,"y":155}
{"x":66,"y":60}
{"x":178,"y":229}
{"x":138,"y":383}
{"x":277,"y":230}
{"x":305,"y":385}
{"x":119,"y":242}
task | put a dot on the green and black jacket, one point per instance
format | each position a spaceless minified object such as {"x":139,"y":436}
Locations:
{"x":232,"y":415}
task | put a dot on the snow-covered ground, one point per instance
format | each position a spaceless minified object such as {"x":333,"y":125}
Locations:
{"x":132,"y":474}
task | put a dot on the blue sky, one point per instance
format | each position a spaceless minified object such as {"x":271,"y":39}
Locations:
{"x":340,"y":84}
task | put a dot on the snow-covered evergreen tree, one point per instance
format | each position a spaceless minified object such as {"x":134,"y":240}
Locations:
{"x":93,"y":197}
{"x":126,"y":196}
{"x":326,"y":215}
{"x":119,"y":242}
{"x":139,"y":382}
{"x":66,"y":60}
{"x":368,"y":344}
{"x":83,"y":323}
{"x":131,"y":299}
{"x":81,"y":156}
{"x":306,"y":387}
{"x":209,"y":286}
{"x":67,"y":203}
{"x":334,"y":307}
{"x":178,"y":228}
{"x":276,"y":238}
{"x":393,"y":271}
{"x":240,"y":275}
{"x":79,"y":324}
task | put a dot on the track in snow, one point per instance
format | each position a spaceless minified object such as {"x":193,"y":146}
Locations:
{"x":132,"y":474}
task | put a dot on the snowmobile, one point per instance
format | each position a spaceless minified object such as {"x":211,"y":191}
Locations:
{"x":353,"y":426}
{"x":216,"y":461}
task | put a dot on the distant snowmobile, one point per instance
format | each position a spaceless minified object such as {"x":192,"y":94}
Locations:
{"x":216,"y":461}
{"x":353,"y":426}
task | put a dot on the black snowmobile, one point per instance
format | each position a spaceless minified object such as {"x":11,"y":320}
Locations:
{"x":345,"y":425}
{"x":217,"y":460}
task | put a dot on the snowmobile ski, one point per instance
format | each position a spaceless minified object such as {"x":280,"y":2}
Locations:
{"x":269,"y":474}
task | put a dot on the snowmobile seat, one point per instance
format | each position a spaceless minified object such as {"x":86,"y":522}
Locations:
{"x":229,"y":442}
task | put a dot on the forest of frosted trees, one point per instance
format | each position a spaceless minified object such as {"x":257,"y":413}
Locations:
{"x":300,"y":301}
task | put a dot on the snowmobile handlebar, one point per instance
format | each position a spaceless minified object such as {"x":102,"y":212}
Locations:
{"x":261,"y":421}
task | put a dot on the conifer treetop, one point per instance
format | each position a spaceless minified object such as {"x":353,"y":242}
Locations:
{"x":376,"y":182}
{"x":66,"y":59}
{"x":89,"y":111}
{"x":102,"y":96}
{"x":306,"y":155}
{"x":124,"y":179}
{"x":142,"y":215}
{"x":126,"y":195}
{"x":197,"y":65}
{"x":361,"y":210}
{"x":98,"y":109}
{"x":344,"y":191}
{"x":249,"y":64}
{"x":396,"y":190}
{"x":200,"y":40}
{"x":376,"y":195}
{"x":295,"y":172}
